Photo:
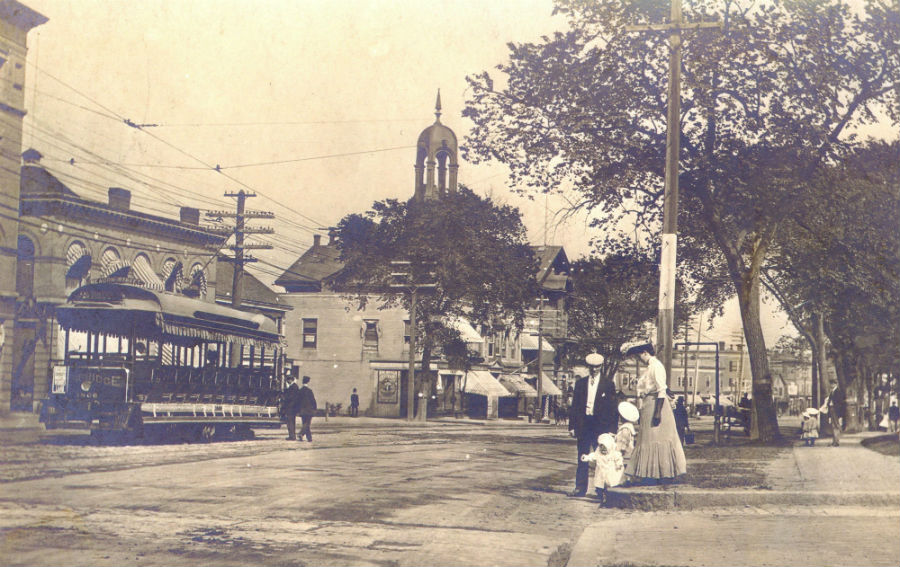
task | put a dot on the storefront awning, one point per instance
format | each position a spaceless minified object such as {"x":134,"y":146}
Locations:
{"x":483,"y":383}
{"x":517,"y":385}
{"x":530,"y":342}
{"x":548,"y":388}
{"x":466,"y":331}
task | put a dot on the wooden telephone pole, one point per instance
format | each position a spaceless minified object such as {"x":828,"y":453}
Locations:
{"x":239,"y":259}
{"x":403,"y":279}
{"x":666,"y":319}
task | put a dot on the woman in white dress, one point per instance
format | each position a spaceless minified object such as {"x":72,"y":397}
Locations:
{"x":658,"y":453}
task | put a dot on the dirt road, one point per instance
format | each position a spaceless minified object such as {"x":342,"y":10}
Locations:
{"x":366,"y":495}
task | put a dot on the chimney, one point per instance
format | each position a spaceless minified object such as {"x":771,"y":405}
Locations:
{"x":119,"y":199}
{"x":317,"y":240}
{"x":190,"y":215}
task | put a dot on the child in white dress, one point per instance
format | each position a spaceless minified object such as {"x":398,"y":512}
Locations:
{"x":625,"y":435}
{"x":609,"y":468}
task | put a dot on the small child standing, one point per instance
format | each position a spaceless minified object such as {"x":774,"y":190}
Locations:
{"x":609,"y":468}
{"x":809,"y":429}
{"x":626,"y":433}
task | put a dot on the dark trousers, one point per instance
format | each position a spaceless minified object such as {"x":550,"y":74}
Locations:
{"x":587,"y":442}
{"x":304,"y":429}
{"x":354,"y":411}
{"x":292,"y":425}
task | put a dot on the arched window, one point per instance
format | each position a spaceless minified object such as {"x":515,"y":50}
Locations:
{"x":198,"y":280}
{"x":112,"y":263}
{"x":78,"y":264}
{"x":174,"y":273}
{"x":25,"y":267}
{"x":144,"y":272}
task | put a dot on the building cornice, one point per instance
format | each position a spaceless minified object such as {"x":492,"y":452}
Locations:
{"x":90,"y":212}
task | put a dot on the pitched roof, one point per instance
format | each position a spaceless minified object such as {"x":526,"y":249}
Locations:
{"x":255,"y":291}
{"x":316,"y":265}
{"x":552,"y":259}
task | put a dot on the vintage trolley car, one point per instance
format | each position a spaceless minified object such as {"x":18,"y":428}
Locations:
{"x":142,"y":361}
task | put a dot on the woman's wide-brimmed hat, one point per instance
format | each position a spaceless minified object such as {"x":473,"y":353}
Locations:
{"x":629,"y":411}
{"x":811,"y":412}
{"x":594,"y":359}
{"x":637,"y":347}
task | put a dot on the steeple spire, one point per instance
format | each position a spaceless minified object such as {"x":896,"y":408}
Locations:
{"x":437,"y":107}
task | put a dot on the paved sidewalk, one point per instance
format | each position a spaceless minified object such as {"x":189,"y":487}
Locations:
{"x":818,"y":505}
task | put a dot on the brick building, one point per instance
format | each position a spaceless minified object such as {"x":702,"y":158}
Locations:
{"x":16,"y":20}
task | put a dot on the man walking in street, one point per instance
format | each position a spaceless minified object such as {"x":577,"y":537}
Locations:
{"x":290,"y":403}
{"x":594,"y":411}
{"x":306,"y":409}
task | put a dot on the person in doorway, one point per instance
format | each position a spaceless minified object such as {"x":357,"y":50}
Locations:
{"x":658,"y":454}
{"x":290,"y":403}
{"x":354,"y":404}
{"x":593,"y":412}
{"x":306,"y":408}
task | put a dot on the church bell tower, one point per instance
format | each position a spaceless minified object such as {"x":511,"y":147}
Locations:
{"x":436,"y":159}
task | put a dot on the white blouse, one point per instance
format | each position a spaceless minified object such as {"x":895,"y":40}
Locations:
{"x":654,"y":380}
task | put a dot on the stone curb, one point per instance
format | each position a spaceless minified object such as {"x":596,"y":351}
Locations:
{"x":690,"y":499}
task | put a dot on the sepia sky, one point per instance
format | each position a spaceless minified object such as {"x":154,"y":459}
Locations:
{"x":315,"y":105}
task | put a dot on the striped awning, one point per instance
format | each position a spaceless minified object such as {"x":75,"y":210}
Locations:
{"x":144,"y":272}
{"x":483,"y":383}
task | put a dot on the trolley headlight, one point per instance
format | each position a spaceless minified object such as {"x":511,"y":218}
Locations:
{"x":86,"y":386}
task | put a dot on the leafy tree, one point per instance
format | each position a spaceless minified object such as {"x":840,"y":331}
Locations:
{"x":611,"y":302}
{"x":767,"y":102}
{"x":841,"y":265}
{"x":475,"y":252}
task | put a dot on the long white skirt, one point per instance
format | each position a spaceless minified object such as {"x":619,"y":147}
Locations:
{"x":657,"y":452}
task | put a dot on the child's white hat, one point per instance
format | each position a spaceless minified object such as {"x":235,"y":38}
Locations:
{"x":629,"y":411}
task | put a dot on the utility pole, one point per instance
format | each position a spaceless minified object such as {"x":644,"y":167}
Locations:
{"x":404,"y":279}
{"x":540,"y":362}
{"x":666,"y":318}
{"x":239,"y":259}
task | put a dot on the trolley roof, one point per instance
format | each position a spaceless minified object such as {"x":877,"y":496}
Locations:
{"x":124,"y":310}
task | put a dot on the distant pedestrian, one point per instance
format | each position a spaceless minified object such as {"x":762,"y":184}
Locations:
{"x":835,"y":407}
{"x":306,"y":409}
{"x":894,"y":417}
{"x":658,"y":454}
{"x":609,"y":468}
{"x":354,"y":404}
{"x":681,"y":418}
{"x":593,"y":411}
{"x":290,"y":404}
{"x":809,"y":428}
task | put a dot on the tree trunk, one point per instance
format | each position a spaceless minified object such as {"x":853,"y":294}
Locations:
{"x":764,"y":417}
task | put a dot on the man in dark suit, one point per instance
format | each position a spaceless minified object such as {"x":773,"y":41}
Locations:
{"x":594,"y":411}
{"x":306,"y":409}
{"x":290,"y":403}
